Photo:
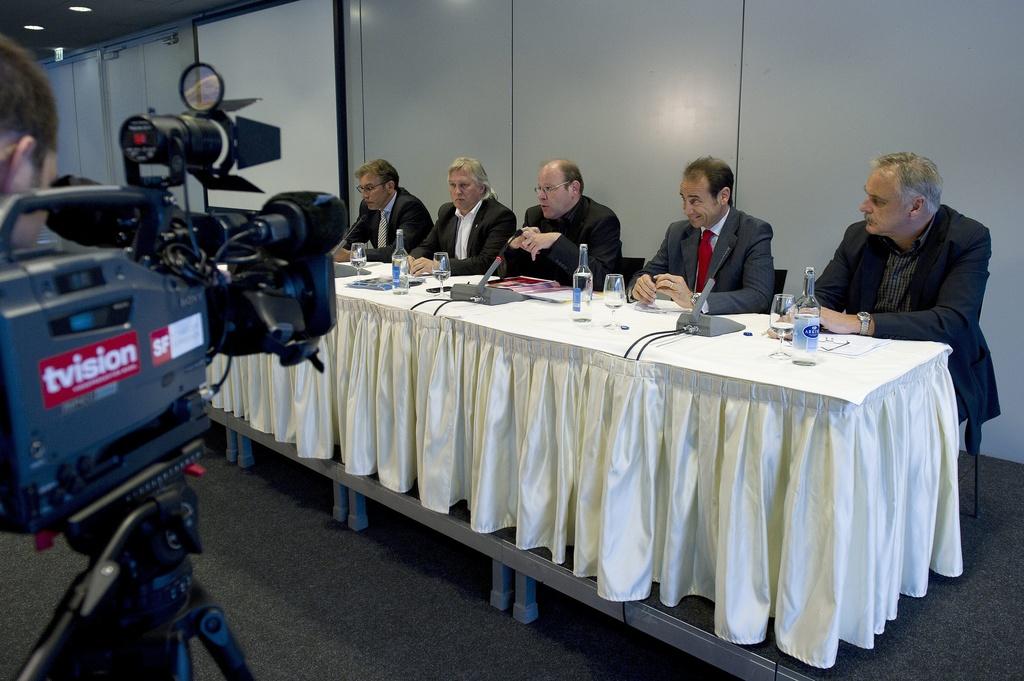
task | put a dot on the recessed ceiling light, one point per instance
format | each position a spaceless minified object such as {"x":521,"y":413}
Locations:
{"x":33,"y":27}
{"x":79,"y":8}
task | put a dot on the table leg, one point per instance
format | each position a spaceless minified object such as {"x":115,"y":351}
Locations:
{"x":245,"y":457}
{"x":357,"y":519}
{"x":230,"y":446}
{"x":525,"y":609}
{"x":501,"y":585}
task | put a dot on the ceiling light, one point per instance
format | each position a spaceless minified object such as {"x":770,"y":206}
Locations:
{"x":79,"y":8}
{"x":33,"y":27}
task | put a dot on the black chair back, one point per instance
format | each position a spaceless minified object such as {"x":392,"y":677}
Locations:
{"x":780,"y":280}
{"x":629,"y":266}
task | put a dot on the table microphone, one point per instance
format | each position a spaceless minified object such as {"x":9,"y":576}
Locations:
{"x":696,"y":323}
{"x":480,"y":292}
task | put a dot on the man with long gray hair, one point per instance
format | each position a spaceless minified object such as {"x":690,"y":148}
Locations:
{"x":915,"y":269}
{"x":472,"y":228}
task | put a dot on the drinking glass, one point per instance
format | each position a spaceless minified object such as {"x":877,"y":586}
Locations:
{"x":358,"y":257}
{"x":614,"y":296}
{"x":442,"y":270}
{"x":782,"y":322}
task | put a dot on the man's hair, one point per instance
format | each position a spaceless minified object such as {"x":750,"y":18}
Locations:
{"x":718,"y":173}
{"x":26,"y":101}
{"x":381,"y":168}
{"x":915,"y":175}
{"x":476,"y":171}
{"x":570,"y":171}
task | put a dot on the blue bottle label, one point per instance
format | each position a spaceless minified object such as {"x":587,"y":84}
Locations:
{"x":577,"y":297}
{"x":805,"y":333}
{"x":395,"y":272}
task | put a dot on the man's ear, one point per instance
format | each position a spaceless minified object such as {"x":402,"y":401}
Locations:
{"x":723,"y":196}
{"x":18,"y":171}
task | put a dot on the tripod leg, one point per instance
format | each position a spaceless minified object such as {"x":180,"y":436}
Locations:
{"x":210,"y":624}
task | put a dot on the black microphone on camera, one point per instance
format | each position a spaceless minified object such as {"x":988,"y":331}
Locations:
{"x":299,"y":224}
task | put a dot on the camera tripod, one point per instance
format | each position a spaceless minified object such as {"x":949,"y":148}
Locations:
{"x":132,"y":613}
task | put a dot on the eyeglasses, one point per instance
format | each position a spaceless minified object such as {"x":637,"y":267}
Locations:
{"x":548,"y":190}
{"x":367,"y":188}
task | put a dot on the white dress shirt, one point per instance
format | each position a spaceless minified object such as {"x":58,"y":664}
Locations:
{"x":465,"y":227}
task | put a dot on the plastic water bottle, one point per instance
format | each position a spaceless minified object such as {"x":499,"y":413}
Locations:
{"x":582,"y":289}
{"x":806,"y":324}
{"x":399,"y":266}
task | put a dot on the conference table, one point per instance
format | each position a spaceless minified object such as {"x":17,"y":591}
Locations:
{"x":814,"y":495}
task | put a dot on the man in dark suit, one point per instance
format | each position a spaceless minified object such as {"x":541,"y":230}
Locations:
{"x":384,"y":210}
{"x":914,"y":269}
{"x":716,"y":241}
{"x":549,"y":247}
{"x":471,"y":229}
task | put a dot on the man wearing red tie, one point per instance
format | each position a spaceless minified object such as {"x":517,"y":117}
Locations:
{"x":716,"y":241}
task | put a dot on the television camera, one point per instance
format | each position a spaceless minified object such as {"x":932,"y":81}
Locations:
{"x":104,"y":353}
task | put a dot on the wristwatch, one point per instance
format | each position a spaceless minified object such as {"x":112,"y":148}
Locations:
{"x":865,"y":322}
{"x":693,"y":298}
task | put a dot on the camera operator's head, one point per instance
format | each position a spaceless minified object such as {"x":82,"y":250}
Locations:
{"x":28,"y":133}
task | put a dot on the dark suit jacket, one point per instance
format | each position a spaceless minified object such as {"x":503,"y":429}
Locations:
{"x":741,"y":263}
{"x":493,"y":225}
{"x":945,"y":298}
{"x":591,"y":224}
{"x":408,"y":214}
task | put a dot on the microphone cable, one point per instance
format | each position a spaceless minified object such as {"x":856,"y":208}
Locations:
{"x":654,"y":335}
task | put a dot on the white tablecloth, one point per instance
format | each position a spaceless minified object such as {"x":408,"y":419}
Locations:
{"x":814,"y":495}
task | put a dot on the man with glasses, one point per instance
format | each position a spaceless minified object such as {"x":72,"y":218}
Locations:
{"x":915,"y":269}
{"x":385,"y":208}
{"x":471,"y":229}
{"x":715,"y":241}
{"x":28,"y":134}
{"x":549,"y":247}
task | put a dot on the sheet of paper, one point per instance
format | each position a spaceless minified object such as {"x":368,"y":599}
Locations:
{"x":850,"y":346}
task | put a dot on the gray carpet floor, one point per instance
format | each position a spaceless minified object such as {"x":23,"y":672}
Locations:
{"x":310,"y":599}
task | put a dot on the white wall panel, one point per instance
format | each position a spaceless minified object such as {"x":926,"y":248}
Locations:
{"x":62,"y":80}
{"x":146,"y":76}
{"x":81,"y":132}
{"x":435,"y":82}
{"x":285,"y":55}
{"x":92,"y":134}
{"x":631,"y":92}
{"x":827,"y":86}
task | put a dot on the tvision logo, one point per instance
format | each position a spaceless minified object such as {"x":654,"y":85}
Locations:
{"x":80,"y":371}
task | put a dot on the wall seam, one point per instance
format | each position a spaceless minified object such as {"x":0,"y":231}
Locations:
{"x":739,"y":96}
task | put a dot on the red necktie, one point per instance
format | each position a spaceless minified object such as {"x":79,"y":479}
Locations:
{"x":703,"y":259}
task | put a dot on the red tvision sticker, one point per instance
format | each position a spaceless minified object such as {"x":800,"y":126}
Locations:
{"x":80,"y":371}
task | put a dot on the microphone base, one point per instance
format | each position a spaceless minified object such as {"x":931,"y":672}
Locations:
{"x":485,"y":295}
{"x":706,"y":325}
{"x":342,"y":270}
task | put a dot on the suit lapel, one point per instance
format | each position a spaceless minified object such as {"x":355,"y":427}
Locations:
{"x":926,"y":261}
{"x":872,"y":269}
{"x":451,"y":240}
{"x":688,"y":245}
{"x":726,"y":242}
{"x":474,"y":230}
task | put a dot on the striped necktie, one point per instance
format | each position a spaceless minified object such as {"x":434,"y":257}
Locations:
{"x":382,"y":230}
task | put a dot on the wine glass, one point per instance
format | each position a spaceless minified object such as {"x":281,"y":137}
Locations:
{"x":442,"y":270}
{"x":782,"y":322}
{"x":358,"y":257}
{"x":614,"y":296}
